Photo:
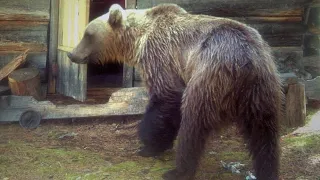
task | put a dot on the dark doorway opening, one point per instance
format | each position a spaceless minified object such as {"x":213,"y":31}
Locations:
{"x":108,"y":75}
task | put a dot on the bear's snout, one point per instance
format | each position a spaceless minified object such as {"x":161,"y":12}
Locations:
{"x":77,"y":59}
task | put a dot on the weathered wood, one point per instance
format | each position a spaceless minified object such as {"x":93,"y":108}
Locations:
{"x":26,"y":82}
{"x":53,"y":46}
{"x":288,"y":58}
{"x":127,"y":101}
{"x":24,"y":31}
{"x":71,"y":78}
{"x":128,"y":71}
{"x":279,"y":28}
{"x":7,"y":69}
{"x":312,"y":41}
{"x":127,"y":76}
{"x":283,"y":39}
{"x":235,"y":8}
{"x":23,"y":16}
{"x":26,"y":5}
{"x":313,"y":88}
{"x":252,"y":19}
{"x":10,"y":47}
{"x":130,"y":4}
{"x":312,"y":65}
{"x":295,"y":105}
{"x":36,"y":60}
{"x":4,"y":90}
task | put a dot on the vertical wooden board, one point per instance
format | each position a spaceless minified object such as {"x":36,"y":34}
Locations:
{"x":53,"y":45}
{"x":73,"y":18}
{"x":127,"y":70}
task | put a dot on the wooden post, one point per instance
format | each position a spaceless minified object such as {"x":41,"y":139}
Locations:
{"x":295,"y":105}
{"x":53,"y":45}
{"x":26,"y":81}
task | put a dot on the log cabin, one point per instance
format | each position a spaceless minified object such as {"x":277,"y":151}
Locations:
{"x":50,"y":28}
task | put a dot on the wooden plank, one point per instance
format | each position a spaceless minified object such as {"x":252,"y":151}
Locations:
{"x":295,"y":105}
{"x":72,"y":77}
{"x":53,"y":45}
{"x":27,"y":5}
{"x":277,"y":40}
{"x":23,"y":25}
{"x":24,"y":36}
{"x":7,"y":69}
{"x":264,"y":19}
{"x":128,"y":70}
{"x":9,"y":47}
{"x":130,"y":4}
{"x":18,"y":16}
{"x":235,"y":8}
{"x":279,"y":28}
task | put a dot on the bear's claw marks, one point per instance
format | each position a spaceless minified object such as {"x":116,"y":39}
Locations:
{"x":175,"y":175}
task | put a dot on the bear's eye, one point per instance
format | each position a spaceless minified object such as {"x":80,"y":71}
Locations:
{"x":88,"y":33}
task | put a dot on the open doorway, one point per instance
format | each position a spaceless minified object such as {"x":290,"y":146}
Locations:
{"x":108,"y":75}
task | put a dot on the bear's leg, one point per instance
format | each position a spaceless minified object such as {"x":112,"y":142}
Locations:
{"x":160,"y":124}
{"x":261,"y":135}
{"x":199,"y":117}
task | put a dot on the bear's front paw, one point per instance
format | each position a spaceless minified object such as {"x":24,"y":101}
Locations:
{"x":175,"y":175}
{"x":148,"y":152}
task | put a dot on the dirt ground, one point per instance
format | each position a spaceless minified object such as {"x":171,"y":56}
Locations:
{"x":92,"y":149}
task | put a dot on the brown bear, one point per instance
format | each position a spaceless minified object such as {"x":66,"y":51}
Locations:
{"x":202,"y":73}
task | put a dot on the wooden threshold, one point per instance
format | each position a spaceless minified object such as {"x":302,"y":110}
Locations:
{"x":94,"y":96}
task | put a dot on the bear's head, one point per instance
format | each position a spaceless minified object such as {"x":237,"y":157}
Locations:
{"x":101,"y":38}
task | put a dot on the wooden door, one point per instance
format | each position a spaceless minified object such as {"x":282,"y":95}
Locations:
{"x":71,"y":77}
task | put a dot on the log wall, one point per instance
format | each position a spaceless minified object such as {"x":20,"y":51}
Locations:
{"x":24,"y":25}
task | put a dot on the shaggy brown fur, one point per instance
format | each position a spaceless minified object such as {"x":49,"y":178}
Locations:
{"x":202,"y":73}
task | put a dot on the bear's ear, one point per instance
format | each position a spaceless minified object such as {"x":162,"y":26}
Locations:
{"x":117,"y":15}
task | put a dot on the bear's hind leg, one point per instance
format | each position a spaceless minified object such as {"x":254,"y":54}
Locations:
{"x":160,"y":124}
{"x":259,"y":125}
{"x":199,"y":118}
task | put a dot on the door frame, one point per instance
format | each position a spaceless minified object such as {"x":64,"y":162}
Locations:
{"x":52,"y":65}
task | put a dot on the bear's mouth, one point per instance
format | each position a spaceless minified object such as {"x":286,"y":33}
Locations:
{"x":77,"y":60}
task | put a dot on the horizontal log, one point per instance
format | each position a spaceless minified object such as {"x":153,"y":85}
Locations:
{"x":277,"y":40}
{"x":24,"y":36}
{"x":127,"y":101}
{"x":27,"y":5}
{"x":232,"y":8}
{"x":255,"y":19}
{"x":23,"y":25}
{"x":8,"y":47}
{"x":279,"y":28}
{"x":17,"y":15}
